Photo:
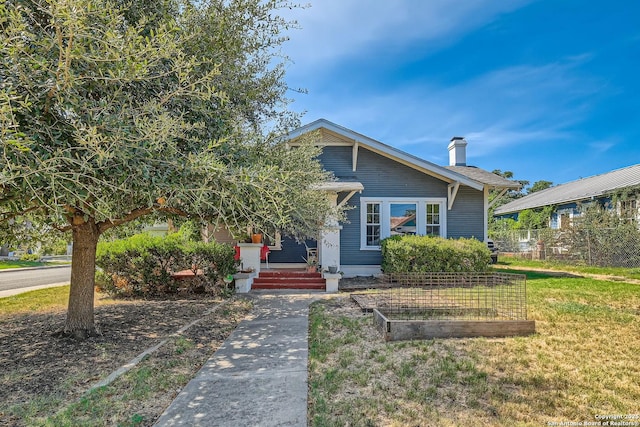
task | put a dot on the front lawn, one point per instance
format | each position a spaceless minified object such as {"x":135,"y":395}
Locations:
{"x":4,"y":265}
{"x":516,"y":262}
{"x":582,"y":363}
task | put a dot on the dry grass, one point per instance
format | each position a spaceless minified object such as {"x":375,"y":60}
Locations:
{"x":583,"y":362}
{"x":43,"y":380}
{"x":46,"y":300}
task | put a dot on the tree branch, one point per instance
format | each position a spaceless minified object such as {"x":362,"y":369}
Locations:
{"x":137,"y":213}
{"x":6,"y":216}
{"x":62,"y":228}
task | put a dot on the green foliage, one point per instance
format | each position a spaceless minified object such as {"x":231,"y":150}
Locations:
{"x":214,"y":259}
{"x":5,"y":265}
{"x":402,"y":254}
{"x":527,"y":219}
{"x":191,"y":230}
{"x":29,"y":257}
{"x":55,"y":247}
{"x":142,"y":265}
{"x":539,"y":186}
{"x":139,"y":265}
{"x":599,"y":237}
{"x":164,"y":111}
{"x":113,"y":110}
{"x":533,"y":219}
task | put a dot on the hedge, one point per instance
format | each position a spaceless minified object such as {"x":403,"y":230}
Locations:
{"x":142,"y":265}
{"x":404,"y":254}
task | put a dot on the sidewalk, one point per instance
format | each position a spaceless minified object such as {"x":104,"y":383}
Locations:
{"x":258,"y":377}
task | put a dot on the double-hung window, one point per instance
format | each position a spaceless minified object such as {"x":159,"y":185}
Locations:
{"x":372,"y":224}
{"x":433,"y":225}
{"x":382,"y":218}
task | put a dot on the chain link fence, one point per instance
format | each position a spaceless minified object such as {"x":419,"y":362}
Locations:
{"x":593,"y":246}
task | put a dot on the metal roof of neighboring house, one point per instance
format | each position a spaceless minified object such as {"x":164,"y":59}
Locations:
{"x":485,"y":177}
{"x":575,"y":191}
{"x":444,"y":173}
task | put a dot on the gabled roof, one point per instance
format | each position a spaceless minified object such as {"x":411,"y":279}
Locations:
{"x":575,"y":191}
{"x":407,"y":159}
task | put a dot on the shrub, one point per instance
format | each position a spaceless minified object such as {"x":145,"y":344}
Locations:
{"x":403,"y":254}
{"x":30,"y":257}
{"x":142,"y":265}
{"x":54,"y":247}
{"x":216,"y":260}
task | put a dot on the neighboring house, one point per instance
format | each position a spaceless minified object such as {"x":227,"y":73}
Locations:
{"x":567,"y":198}
{"x":392,"y":193}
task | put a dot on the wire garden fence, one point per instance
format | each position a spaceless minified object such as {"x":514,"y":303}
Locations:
{"x":449,"y":296}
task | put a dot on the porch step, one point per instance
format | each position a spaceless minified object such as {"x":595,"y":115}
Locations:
{"x":288,"y":273}
{"x":261,"y":279}
{"x":289,"y":280}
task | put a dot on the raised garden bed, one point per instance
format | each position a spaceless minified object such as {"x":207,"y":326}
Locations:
{"x":432,"y":305}
{"x":403,"y":329}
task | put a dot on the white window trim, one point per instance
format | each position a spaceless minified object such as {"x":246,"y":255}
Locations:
{"x":385,"y":215}
{"x":363,"y":222}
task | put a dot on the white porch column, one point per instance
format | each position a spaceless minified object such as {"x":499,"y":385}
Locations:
{"x":329,"y":250}
{"x":250,"y":256}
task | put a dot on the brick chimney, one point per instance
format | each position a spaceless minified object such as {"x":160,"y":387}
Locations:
{"x":458,"y":151}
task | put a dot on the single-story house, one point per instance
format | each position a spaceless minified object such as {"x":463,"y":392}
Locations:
{"x":392,"y":192}
{"x":567,"y":198}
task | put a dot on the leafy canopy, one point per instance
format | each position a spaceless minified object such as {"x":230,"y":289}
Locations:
{"x":111,"y":110}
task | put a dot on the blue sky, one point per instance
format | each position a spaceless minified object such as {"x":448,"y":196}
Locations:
{"x":547,"y":89}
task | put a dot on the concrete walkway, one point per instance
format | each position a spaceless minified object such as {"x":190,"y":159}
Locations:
{"x":258,"y":377}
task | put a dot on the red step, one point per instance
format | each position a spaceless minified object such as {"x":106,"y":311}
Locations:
{"x":289,"y":273}
{"x":261,"y":279}
{"x":288,"y":280}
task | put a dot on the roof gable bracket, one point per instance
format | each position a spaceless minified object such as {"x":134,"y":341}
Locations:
{"x":346,"y":199}
{"x":452,"y":190}
{"x":493,"y":202}
{"x":354,"y":156}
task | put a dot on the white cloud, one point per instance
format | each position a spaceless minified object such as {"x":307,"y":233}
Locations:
{"x":521,"y":114}
{"x":513,"y":108}
{"x":333,"y":29}
{"x":601,"y":146}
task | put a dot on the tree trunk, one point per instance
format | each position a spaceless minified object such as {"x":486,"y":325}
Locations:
{"x":80,"y":320}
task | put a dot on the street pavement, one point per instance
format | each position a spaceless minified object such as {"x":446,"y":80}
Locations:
{"x":17,"y":280}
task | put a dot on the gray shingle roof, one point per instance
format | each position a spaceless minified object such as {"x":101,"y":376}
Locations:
{"x":484,"y":177}
{"x":574,"y":191}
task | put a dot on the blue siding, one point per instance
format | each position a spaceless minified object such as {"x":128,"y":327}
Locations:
{"x":292,"y":251}
{"x":466,"y":218}
{"x":383,"y":177}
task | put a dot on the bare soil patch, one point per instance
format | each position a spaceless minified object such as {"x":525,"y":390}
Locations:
{"x":361,"y":283}
{"x":40,"y":374}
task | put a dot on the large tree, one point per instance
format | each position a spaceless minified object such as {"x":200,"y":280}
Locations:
{"x":110,"y":112}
